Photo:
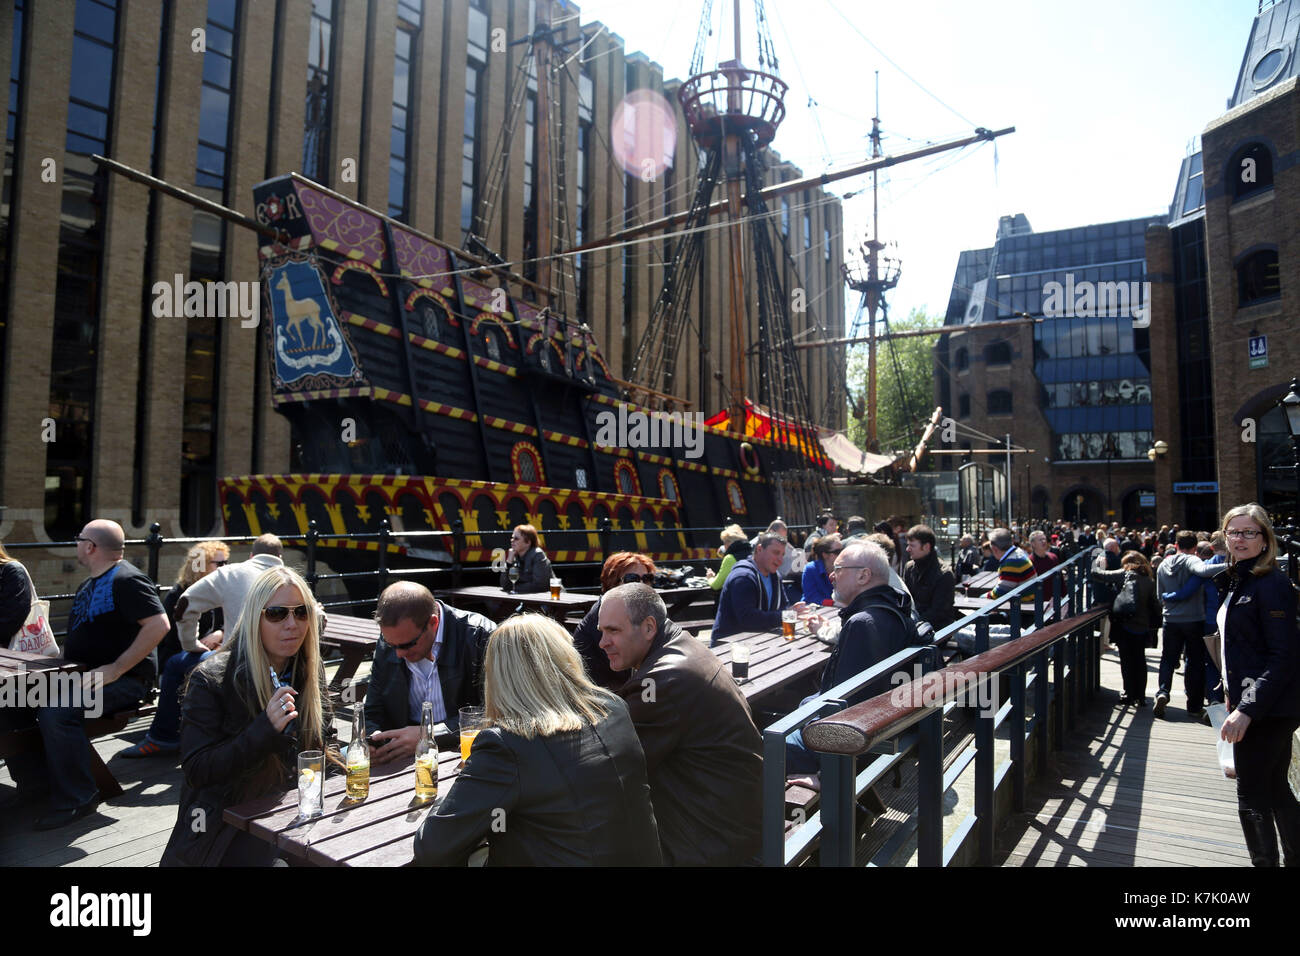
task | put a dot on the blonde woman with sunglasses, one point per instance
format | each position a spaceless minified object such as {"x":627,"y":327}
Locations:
{"x":248,"y":711}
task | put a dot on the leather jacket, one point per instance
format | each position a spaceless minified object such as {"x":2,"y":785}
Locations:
{"x":227,"y":759}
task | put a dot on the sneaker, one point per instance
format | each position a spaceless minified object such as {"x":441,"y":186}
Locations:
{"x":150,"y":748}
{"x":1197,"y":714}
{"x":1162,"y":700}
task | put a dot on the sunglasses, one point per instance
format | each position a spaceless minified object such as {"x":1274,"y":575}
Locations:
{"x":275,"y":613}
{"x":410,"y":644}
{"x":632,"y":577}
{"x":219,"y":564}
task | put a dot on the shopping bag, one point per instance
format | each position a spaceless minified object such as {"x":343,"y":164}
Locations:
{"x":1218,"y":713}
{"x":36,"y":636}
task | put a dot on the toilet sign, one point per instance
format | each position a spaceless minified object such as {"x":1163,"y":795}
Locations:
{"x":1258,"y":351}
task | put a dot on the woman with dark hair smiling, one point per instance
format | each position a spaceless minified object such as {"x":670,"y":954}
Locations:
{"x":1261,"y":653}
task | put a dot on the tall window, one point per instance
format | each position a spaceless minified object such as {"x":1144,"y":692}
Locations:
{"x":316,"y":121}
{"x":530,"y":180}
{"x":1257,"y":278}
{"x":785,"y":217}
{"x":74,"y":356}
{"x":807,"y":231}
{"x":581,"y":227}
{"x":474,"y":69}
{"x":399,"y":148}
{"x":207,"y":264}
{"x":826,"y":244}
{"x":214,"y":97}
{"x":6,"y":187}
{"x":1250,"y":170}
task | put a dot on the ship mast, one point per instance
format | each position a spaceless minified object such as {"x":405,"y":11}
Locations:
{"x":875,"y":282}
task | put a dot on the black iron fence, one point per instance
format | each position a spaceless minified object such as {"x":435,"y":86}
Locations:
{"x":315,"y":546}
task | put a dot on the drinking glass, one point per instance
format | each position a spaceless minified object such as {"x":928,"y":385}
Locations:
{"x":555,"y":589}
{"x":311,"y":783}
{"x":787,"y":623}
{"x":740,"y":661}
{"x":471,"y":722}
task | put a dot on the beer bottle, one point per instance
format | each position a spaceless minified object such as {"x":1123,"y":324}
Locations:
{"x":426,"y":757}
{"x":358,"y":758}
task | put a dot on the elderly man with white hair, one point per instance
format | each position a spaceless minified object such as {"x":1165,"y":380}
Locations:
{"x":876,"y":623}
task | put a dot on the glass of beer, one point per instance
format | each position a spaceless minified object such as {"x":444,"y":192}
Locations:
{"x":311,"y":784}
{"x":740,"y":661}
{"x":555,"y":589}
{"x":787,"y":623}
{"x":471,"y":722}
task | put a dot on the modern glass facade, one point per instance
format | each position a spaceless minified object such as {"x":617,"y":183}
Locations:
{"x":1091,"y":358}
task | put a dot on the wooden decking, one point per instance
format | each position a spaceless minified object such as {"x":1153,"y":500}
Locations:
{"x":1129,"y":790}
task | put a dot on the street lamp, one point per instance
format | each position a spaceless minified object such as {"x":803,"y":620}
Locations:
{"x":1291,"y":404}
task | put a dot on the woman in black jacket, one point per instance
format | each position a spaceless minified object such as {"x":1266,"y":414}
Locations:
{"x":16,"y":596}
{"x":534,"y":566}
{"x":1135,"y":614}
{"x":1261,"y":653}
{"x":559,"y":776}
{"x":248,"y":712}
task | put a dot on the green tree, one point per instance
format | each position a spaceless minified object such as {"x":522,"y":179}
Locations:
{"x":903,"y":403}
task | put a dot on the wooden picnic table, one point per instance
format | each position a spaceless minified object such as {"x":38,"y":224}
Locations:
{"x":356,"y":638}
{"x":17,"y":667}
{"x":494,"y":598}
{"x":380,"y":830}
{"x":775,"y":663}
{"x":679,"y":599}
{"x":377,"y":831}
{"x":981,"y":582}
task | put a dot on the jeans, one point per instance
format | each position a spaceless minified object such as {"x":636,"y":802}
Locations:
{"x":1180,"y":636}
{"x":798,"y":758}
{"x":166,"y":726}
{"x":67,"y":748}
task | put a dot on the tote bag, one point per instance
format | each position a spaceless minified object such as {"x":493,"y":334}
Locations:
{"x":35,"y":636}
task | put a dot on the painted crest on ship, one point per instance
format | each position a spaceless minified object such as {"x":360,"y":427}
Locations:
{"x":309,"y":347}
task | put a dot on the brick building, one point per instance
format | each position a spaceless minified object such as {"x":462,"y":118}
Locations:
{"x":397,"y":104}
{"x":1226,"y":271}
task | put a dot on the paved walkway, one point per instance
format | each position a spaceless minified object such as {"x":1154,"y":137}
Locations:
{"x":1130,"y":790}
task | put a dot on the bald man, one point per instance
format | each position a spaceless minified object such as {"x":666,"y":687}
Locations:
{"x":115,"y":623}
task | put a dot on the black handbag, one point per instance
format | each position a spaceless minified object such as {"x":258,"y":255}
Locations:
{"x":1125,"y":605}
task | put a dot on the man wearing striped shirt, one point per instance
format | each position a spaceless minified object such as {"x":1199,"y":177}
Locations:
{"x":1014,"y":566}
{"x":430,"y":651}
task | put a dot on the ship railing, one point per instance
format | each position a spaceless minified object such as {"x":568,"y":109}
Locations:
{"x":1052,"y":668}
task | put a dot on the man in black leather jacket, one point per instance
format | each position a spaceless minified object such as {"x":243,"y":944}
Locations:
{"x":703,"y":754}
{"x":423,"y":638}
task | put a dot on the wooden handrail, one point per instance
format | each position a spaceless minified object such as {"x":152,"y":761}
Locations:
{"x":859,"y":728}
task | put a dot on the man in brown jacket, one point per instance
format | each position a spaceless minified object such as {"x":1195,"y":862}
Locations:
{"x":703,"y":753}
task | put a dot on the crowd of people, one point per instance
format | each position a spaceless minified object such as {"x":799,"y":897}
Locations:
{"x":627,"y":742}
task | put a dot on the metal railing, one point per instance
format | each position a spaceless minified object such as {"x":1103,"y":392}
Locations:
{"x":313,"y":541}
{"x":909,"y":719}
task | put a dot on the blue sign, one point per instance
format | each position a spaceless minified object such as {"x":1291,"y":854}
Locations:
{"x":1196,"y":487}
{"x":1146,"y":499}
{"x":308,"y":341}
{"x":1259,"y":351}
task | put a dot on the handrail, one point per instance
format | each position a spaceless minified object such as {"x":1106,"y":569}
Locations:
{"x":861,"y":727}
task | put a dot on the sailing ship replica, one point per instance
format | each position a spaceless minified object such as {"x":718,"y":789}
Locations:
{"x":436,"y":389}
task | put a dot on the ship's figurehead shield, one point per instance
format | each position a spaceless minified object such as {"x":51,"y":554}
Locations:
{"x":308,"y":346}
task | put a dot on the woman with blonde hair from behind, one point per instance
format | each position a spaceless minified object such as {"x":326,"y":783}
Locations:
{"x":248,"y":711}
{"x":560,"y":759}
{"x":735,"y":547}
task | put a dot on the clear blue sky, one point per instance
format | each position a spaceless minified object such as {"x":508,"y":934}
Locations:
{"x":1106,"y":97}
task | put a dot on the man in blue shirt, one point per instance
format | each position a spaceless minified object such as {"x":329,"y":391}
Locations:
{"x":752,"y":598}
